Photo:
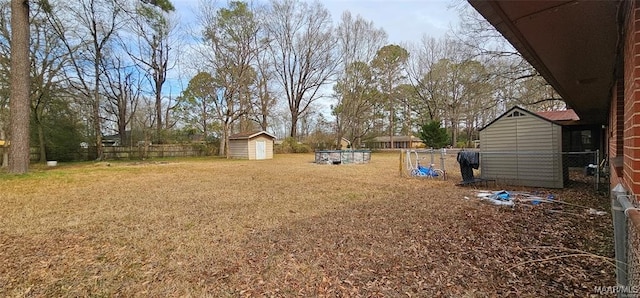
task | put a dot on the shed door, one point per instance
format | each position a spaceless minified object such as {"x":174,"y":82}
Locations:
{"x":261,"y":150}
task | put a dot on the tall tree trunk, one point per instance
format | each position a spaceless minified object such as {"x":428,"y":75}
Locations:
{"x":19,"y":103}
{"x":158,"y":106}
{"x":391,"y":123}
{"x":294,"y":124}
{"x":224,"y":142}
{"x":122,"y":131}
{"x":454,"y":132}
{"x":43,"y":147}
{"x":263,"y":122}
{"x":96,"y":118}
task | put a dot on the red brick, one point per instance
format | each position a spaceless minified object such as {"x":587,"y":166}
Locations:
{"x":635,"y":188}
{"x":634,"y":153}
{"x":636,"y":178}
{"x":635,"y":131}
{"x":632,"y":167}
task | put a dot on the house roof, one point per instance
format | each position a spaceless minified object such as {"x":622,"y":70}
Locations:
{"x":397,"y":139}
{"x":250,"y":135}
{"x":572,"y":44}
{"x":521,"y":110}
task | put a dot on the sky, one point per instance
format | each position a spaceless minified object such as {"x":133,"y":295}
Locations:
{"x":403,"y":20}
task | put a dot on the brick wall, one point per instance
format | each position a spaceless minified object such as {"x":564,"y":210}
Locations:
{"x":631,"y":109}
{"x":616,"y":132}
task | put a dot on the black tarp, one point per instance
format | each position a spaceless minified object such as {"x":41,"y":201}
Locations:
{"x":468,"y":161}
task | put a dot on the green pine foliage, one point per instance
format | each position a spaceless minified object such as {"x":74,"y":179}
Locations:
{"x":433,"y":135}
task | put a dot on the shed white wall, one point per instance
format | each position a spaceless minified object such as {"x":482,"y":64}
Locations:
{"x":524,"y":150}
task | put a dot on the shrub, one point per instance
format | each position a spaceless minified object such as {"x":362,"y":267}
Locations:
{"x":290,"y":145}
{"x":433,"y":135}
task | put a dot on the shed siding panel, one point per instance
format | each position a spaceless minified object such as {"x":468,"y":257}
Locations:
{"x":238,"y":149}
{"x":499,"y":137}
{"x":527,"y":151}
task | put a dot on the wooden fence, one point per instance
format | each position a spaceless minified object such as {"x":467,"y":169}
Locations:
{"x":127,"y":152}
{"x":151,"y":151}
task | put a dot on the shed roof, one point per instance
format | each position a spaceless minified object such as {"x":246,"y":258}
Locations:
{"x":250,"y":135}
{"x":564,"y":117}
{"x":522,"y":110}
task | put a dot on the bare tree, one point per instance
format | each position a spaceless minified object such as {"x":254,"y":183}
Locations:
{"x":265,"y":95}
{"x":389,"y":70}
{"x":426,"y":82}
{"x":20,"y":89}
{"x":97,"y":23}
{"x":356,"y":94}
{"x":359,"y":42}
{"x":303,"y":50}
{"x":231,"y":50}
{"x":359,"y":39}
{"x":155,"y":44}
{"x":122,"y":89}
{"x":507,"y":65}
{"x":464,"y":86}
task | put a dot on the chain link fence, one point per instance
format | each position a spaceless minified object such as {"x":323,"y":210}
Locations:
{"x":342,"y":156}
{"x":423,"y":163}
{"x":543,"y":169}
{"x":626,"y":223}
{"x":582,"y":168}
{"x":633,"y":251}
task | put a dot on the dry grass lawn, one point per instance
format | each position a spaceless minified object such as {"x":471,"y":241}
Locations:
{"x":288,"y":227}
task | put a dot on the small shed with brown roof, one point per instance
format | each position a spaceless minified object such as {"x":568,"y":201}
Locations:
{"x":253,"y":145}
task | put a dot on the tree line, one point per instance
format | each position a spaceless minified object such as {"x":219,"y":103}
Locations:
{"x":117,"y":67}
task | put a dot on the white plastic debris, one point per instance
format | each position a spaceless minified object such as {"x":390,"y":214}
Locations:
{"x":592,"y":211}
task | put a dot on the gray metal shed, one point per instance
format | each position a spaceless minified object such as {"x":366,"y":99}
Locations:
{"x":522,"y":148}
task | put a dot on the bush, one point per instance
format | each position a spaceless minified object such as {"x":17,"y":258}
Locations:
{"x":206,"y":149}
{"x":290,"y":145}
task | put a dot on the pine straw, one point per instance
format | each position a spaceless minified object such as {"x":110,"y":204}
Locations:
{"x":287,"y":227}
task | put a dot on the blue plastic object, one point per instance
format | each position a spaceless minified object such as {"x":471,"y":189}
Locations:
{"x":422,"y":171}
